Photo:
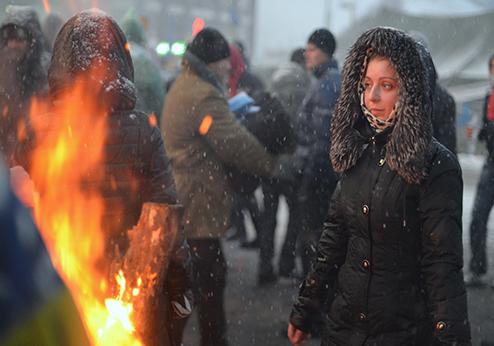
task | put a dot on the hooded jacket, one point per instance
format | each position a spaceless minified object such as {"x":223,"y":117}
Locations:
{"x":136,"y":168}
{"x":20,"y":80}
{"x":389,"y":262}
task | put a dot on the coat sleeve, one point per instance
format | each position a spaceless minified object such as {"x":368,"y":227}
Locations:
{"x":234,"y":145}
{"x":161,"y":186}
{"x":330,"y":255}
{"x":442,"y":253}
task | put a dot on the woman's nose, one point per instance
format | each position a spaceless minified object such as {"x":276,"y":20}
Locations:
{"x":375,"y":94}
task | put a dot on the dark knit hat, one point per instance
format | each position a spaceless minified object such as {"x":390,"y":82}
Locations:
{"x":324,"y":40}
{"x":210,"y":46}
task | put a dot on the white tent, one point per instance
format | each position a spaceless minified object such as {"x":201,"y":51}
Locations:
{"x":460,"y":45}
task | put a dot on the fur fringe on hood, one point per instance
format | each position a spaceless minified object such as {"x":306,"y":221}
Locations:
{"x":408,"y":148}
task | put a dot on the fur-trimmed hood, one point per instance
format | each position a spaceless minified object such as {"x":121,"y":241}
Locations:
{"x":409,"y":144}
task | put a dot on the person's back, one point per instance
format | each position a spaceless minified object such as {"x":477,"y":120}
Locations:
{"x":134,"y":168}
{"x":132,"y":145}
{"x":444,"y":118}
{"x":148,"y":82}
{"x":443,"y":105}
{"x":290,"y":83}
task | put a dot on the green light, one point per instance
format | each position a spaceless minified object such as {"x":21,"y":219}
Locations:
{"x":163,"y":48}
{"x":178,"y":48}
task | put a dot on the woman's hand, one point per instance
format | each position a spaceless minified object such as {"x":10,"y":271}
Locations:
{"x":296,"y":336}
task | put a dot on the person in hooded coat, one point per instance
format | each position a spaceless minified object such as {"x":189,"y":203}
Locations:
{"x":22,"y":77}
{"x":388,"y":269}
{"x":136,"y":168}
{"x":148,"y":82}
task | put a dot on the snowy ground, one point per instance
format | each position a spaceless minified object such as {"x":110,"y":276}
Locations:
{"x":257,"y":316}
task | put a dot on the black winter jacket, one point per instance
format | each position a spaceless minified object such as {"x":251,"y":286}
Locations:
{"x":444,"y":118}
{"x":389,"y":263}
{"x":272,"y":128}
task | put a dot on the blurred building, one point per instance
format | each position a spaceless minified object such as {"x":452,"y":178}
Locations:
{"x":167,"y":21}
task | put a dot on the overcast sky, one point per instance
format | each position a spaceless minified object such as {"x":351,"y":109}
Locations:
{"x":282,"y":25}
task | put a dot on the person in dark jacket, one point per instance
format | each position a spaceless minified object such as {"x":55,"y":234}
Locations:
{"x":484,"y":198}
{"x":136,"y":168}
{"x":388,"y":269}
{"x":313,"y":123}
{"x":22,"y":76}
{"x":444,"y":106}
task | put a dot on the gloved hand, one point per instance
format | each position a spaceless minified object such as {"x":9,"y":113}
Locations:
{"x":289,"y":167}
{"x":182,"y":305}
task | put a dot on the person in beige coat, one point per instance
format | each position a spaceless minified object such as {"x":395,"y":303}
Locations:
{"x":202,"y":138}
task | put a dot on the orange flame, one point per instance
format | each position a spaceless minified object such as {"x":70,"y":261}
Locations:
{"x":46,"y":6}
{"x":68,"y":154}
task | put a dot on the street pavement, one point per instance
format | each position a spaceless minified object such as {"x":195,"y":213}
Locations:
{"x":258,"y":315}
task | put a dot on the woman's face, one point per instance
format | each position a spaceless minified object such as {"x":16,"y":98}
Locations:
{"x":381,"y":87}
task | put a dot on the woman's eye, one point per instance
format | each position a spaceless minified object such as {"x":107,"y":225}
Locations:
{"x":387,"y":86}
{"x":366,"y":86}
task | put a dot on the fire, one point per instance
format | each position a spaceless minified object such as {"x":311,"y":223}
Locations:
{"x":46,"y":6}
{"x":65,"y":160}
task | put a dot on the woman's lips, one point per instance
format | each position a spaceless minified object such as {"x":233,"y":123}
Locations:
{"x":376,"y":110}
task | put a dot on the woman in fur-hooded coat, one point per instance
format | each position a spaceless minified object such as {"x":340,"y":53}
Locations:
{"x":388,"y":269}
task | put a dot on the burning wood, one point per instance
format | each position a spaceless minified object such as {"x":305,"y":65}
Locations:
{"x":145,"y":264}
{"x":117,"y":309}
